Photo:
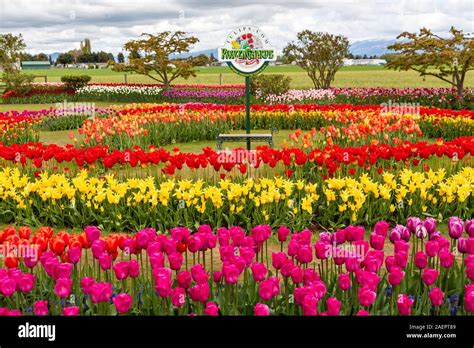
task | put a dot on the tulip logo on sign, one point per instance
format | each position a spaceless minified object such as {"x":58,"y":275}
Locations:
{"x":247,"y":51}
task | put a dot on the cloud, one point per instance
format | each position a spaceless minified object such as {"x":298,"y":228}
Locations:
{"x":60,"y":25}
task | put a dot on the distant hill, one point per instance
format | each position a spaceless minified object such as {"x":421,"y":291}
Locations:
{"x":208,"y":53}
{"x":54,"y":56}
{"x":374,"y":47}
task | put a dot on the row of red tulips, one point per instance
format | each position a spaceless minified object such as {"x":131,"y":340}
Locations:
{"x":332,"y":158}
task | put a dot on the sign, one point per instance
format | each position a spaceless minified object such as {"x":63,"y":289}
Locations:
{"x":247,"y":51}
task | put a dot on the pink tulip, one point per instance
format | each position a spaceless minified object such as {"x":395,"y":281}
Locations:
{"x":446,"y":259}
{"x":86,"y":284}
{"x":381,"y":228}
{"x":199,"y":274}
{"x":340,"y":237}
{"x":261,"y":310}
{"x":396,"y":276}
{"x":26,"y":282}
{"x":180,"y":234}
{"x":64,"y":270}
{"x":101,"y":292}
{"x":469,"y":298}
{"x":309,"y":276}
{"x":230,"y":273}
{"x":455,"y":227}
{"x":247,"y":254}
{"x":431,"y":248}
{"x":63,"y":287}
{"x":287,"y":267}
{"x":421,"y":259}
{"x":278,"y":259}
{"x":413,"y":222}
{"x":121,"y":270}
{"x":98,"y":248}
{"x":310,"y":305}
{"x":362,"y":313}
{"x":323,"y":250}
{"x":436,"y":296}
{"x":259,"y":271}
{"x":40,"y":308}
{"x":105,"y":261}
{"x":366,"y":296}
{"x":430,"y":225}
{"x":133,"y":268}
{"x":195,"y":243}
{"x":268,"y":288}
{"x":283,"y":233}
{"x":162,"y":278}
{"x":71,"y":311}
{"x":401,"y":246}
{"x":377,"y":241}
{"x":199,"y":292}
{"x":122,"y":302}
{"x":429,"y":276}
{"x":142,"y":239}
{"x":333,"y":305}
{"x":217,"y":276}
{"x":74,"y":255}
{"x":401,"y":259}
{"x":296,"y":274}
{"x":92,"y":234}
{"x":178,"y":297}
{"x":344,"y":281}
{"x":404,"y":304}
{"x":305,"y":254}
{"x":184,"y":279}
{"x":470,"y":272}
{"x":390,"y":262}
{"x":211,"y":309}
{"x":352,"y":263}
{"x":176,"y":260}
{"x":421,"y":232}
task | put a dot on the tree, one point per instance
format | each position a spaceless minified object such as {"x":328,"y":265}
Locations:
{"x":11,"y":48}
{"x":120,"y":57}
{"x":448,"y":59}
{"x":201,"y":60}
{"x":65,"y":58}
{"x":389,"y":57}
{"x":151,"y":55}
{"x":320,"y":54}
{"x":11,"y":51}
{"x":86,"y":47}
{"x":212,"y":59}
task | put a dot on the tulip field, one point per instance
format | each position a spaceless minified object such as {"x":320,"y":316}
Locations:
{"x":364,"y":209}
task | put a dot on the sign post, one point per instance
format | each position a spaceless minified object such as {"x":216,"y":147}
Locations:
{"x":247,"y":52}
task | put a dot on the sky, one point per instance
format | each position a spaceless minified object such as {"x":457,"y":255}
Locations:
{"x":58,"y":26}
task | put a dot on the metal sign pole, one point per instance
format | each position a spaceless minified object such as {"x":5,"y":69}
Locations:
{"x":247,"y":108}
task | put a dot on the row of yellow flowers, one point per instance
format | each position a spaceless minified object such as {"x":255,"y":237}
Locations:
{"x":60,"y":200}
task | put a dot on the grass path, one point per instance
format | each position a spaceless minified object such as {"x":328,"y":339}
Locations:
{"x":356,"y":76}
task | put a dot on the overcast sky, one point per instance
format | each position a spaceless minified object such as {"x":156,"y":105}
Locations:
{"x":57,"y":26}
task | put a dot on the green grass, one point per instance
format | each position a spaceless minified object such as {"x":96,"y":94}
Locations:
{"x":21,"y":107}
{"x":62,"y":138}
{"x":355,"y":76}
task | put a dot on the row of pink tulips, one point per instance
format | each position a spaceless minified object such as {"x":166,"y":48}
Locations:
{"x":403,"y":270}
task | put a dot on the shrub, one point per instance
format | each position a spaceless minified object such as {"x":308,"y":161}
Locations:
{"x":75,"y":82}
{"x":275,"y":84}
{"x":17,"y":81}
